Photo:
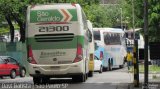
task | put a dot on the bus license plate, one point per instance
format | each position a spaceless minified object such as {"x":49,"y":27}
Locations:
{"x":55,"y":67}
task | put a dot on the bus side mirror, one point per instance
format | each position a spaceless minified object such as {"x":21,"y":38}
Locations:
{"x":90,"y":38}
{"x":89,"y":34}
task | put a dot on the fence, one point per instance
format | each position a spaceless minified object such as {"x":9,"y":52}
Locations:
{"x":16,"y":50}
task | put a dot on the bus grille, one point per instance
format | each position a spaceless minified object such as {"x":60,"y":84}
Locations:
{"x":54,"y":37}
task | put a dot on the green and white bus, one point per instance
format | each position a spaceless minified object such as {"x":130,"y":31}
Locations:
{"x":57,"y":42}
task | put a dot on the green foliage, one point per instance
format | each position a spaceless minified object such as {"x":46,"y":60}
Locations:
{"x":4,"y":30}
{"x":99,"y":15}
{"x":103,"y":16}
{"x":153,"y":17}
{"x":154,"y":20}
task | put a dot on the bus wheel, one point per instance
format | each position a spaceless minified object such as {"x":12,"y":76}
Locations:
{"x":79,"y":78}
{"x":37,"y":80}
{"x":101,"y":69}
{"x":104,"y":69}
{"x":121,"y":66}
{"x":110,"y":64}
{"x":86,"y":76}
{"x":90,"y":74}
{"x":45,"y":80}
{"x":82,"y":78}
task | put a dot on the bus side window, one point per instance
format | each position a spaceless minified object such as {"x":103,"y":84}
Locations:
{"x":107,"y":38}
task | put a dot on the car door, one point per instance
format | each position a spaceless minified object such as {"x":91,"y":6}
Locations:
{"x":13,"y":64}
{"x":3,"y":67}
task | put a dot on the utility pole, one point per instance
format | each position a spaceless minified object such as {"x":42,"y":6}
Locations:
{"x":146,"y":44}
{"x":135,"y":52}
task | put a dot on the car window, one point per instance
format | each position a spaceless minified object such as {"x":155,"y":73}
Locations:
{"x":12,"y":61}
{"x":1,"y":61}
{"x":6,"y":60}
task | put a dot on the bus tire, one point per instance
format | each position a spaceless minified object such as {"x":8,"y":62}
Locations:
{"x":110,"y":64}
{"x":101,"y":69}
{"x":82,"y":78}
{"x":121,"y":66}
{"x":79,"y":78}
{"x":90,"y":74}
{"x":45,"y":80}
{"x":104,"y":69}
{"x":86,"y":76}
{"x":37,"y":80}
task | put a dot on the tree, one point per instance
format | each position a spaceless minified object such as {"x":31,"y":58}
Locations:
{"x":101,"y":16}
{"x":154,"y":20}
{"x":15,"y":11}
{"x":5,"y":9}
{"x":154,"y":17}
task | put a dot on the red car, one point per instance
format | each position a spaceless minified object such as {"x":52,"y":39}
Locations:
{"x":10,"y":67}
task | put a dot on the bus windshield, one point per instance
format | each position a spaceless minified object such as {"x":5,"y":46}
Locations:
{"x":97,"y":35}
{"x":112,"y":39}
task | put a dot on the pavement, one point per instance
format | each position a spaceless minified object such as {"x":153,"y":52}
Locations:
{"x":154,"y":82}
{"x":116,"y":79}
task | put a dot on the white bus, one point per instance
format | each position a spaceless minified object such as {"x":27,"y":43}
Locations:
{"x":141,"y":43}
{"x":91,"y":49}
{"x":138,"y":36}
{"x":57,"y":42}
{"x":111,"y":47}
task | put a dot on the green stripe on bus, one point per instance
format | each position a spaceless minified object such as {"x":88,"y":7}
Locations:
{"x":56,"y":45}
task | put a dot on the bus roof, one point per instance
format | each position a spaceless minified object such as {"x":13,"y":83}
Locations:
{"x":131,"y":30}
{"x":54,"y":5}
{"x":89,"y":24}
{"x":117,"y":30}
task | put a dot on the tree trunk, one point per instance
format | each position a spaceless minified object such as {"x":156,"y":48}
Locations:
{"x":22,"y":27}
{"x":22,"y":32}
{"x":8,"y":18}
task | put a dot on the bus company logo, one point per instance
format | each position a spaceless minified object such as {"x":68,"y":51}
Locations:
{"x":44,"y":16}
{"x":53,"y":16}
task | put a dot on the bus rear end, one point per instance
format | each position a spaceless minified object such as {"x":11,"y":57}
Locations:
{"x":54,"y":41}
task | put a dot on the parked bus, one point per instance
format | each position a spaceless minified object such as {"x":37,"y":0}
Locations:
{"x":141,"y":43}
{"x":91,"y":49}
{"x":130,"y":39}
{"x":110,"y":47}
{"x":57,"y":42}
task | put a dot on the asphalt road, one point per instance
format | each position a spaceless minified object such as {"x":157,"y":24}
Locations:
{"x":116,"y":79}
